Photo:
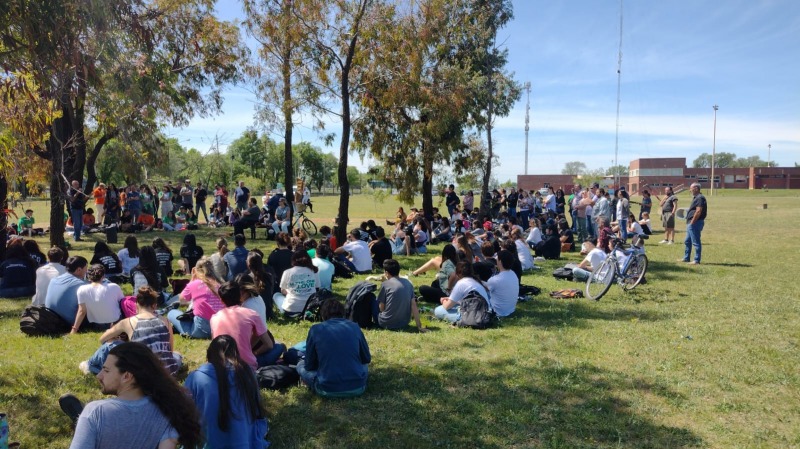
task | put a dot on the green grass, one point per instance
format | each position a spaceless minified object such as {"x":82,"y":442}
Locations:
{"x":701,"y":356}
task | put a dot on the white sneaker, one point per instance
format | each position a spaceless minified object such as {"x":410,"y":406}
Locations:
{"x":664,"y":241}
{"x":670,"y":242}
{"x":84,"y":367}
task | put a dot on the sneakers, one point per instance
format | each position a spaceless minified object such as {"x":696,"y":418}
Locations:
{"x":664,"y":241}
{"x":84,"y":367}
{"x":693,"y":263}
{"x":71,"y":405}
{"x":670,"y":242}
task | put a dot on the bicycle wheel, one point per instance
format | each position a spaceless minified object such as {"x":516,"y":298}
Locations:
{"x":635,"y":272}
{"x":601,"y":279}
{"x":309,"y":227}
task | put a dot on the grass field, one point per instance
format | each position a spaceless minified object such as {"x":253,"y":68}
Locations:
{"x":704,"y":356}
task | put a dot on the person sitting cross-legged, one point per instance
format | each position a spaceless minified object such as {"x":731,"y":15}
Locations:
{"x":594,"y":258}
{"x":466,"y":283}
{"x":395,"y":304}
{"x":336,"y":355}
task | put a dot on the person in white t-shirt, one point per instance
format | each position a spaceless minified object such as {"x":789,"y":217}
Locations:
{"x":594,"y":258}
{"x":46,"y":273}
{"x":360,"y":257}
{"x":504,"y":286}
{"x":98,"y":301}
{"x":297,"y":284}
{"x":523,"y":252}
{"x":449,"y":310}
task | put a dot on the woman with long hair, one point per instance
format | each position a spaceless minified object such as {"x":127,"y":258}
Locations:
{"x":297,"y":284}
{"x":148,"y":272}
{"x":623,"y":210}
{"x":191,"y":252}
{"x":129,"y":254}
{"x":216,"y":259}
{"x":280,"y":259}
{"x":442,"y":284}
{"x":226,"y":392}
{"x":560,"y":202}
{"x":33,"y":250}
{"x":108,"y":259}
{"x":263,"y":277}
{"x":145,"y":327}
{"x":522,"y":250}
{"x":202,"y":292}
{"x":163,"y":255}
{"x":466,"y":282}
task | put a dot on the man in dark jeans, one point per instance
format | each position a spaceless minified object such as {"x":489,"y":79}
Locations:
{"x":77,"y":201}
{"x":200,"y":195}
{"x":249,"y":217}
{"x":695,"y":219}
{"x":451,"y":199}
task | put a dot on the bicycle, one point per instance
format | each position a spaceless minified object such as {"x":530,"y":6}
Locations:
{"x":628,"y":273}
{"x":307,"y":224}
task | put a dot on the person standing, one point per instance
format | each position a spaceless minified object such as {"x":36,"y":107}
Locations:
{"x":77,"y":201}
{"x":200,"y":195}
{"x":242,"y":194}
{"x":99,"y":194}
{"x":695,"y":220}
{"x":186,"y":195}
{"x":451,"y":199}
{"x":150,"y":408}
{"x":669,"y":207}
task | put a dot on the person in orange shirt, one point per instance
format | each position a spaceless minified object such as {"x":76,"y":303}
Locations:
{"x":88,"y":219}
{"x":146,"y":221}
{"x":99,"y":194}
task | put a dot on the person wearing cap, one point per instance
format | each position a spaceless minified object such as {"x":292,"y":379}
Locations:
{"x":99,"y":195}
{"x":186,"y":194}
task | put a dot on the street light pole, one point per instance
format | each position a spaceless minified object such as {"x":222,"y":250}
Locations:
{"x":769,"y":150}
{"x":714,"y":150}
{"x":527,"y":122}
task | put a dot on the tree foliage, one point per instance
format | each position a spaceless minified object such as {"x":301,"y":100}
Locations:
{"x":725,"y":160}
{"x":575,"y":168}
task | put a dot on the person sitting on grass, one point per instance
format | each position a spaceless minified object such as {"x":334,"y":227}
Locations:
{"x":150,"y":408}
{"x":360,"y":260}
{"x":594,"y":258}
{"x":325,"y":268}
{"x":444,"y":277}
{"x":17,"y":271}
{"x":236,"y":260}
{"x":225,"y":390}
{"x":246,"y":326}
{"x":190,"y":253}
{"x":47,"y":273}
{"x":336,"y":355}
{"x":25,"y":223}
{"x":98,"y":302}
{"x":380,"y":248}
{"x":145,"y":327}
{"x":395,"y":303}
{"x":129,"y":254}
{"x":523,"y":252}
{"x":62,"y":293}
{"x":504,"y":286}
{"x":201,"y":291}
{"x":466,"y":282}
{"x":297,"y":284}
{"x":110,"y":261}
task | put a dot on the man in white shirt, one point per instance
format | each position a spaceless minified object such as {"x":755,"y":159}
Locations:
{"x":594,"y":258}
{"x":46,"y":273}
{"x":504,"y":286}
{"x":98,"y":302}
{"x":359,"y":252}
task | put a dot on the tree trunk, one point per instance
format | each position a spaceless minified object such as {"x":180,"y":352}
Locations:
{"x":427,"y":181}
{"x":91,"y":160}
{"x":286,"y":72}
{"x":57,"y":189}
{"x":486,"y":203}
{"x":3,"y":215}
{"x":344,"y":147}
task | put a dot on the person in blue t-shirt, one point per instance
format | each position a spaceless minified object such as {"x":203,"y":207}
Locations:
{"x":62,"y":294}
{"x":336,"y":357}
{"x":236,"y":260}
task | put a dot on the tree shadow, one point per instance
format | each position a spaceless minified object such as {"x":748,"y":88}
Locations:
{"x":572,"y":312}
{"x":729,"y":264}
{"x":484,"y":403}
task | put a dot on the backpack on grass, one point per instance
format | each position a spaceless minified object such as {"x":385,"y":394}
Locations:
{"x":476,"y":312}
{"x":563,"y":273}
{"x":314,"y":304}
{"x":358,"y":306}
{"x":567,"y":293}
{"x":40,"y":321}
{"x":277,"y":377}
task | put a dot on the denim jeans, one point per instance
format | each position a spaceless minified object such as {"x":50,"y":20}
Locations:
{"x":693,"y":232}
{"x":201,"y":205}
{"x":198,"y":327}
{"x":579,"y":274}
{"x":574,"y":215}
{"x":77,"y":222}
{"x":451,"y":315}
{"x":97,"y":359}
{"x":271,"y":357}
{"x":581,"y":224}
{"x":310,"y":378}
{"x":623,"y":228}
{"x":280,"y":226}
{"x":512,"y":211}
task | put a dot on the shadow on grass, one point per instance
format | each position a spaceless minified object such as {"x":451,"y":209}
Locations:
{"x":732,"y":265}
{"x":495,"y":404}
{"x":572,"y":312}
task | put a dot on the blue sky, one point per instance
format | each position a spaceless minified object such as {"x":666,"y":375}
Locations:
{"x":679,"y":58}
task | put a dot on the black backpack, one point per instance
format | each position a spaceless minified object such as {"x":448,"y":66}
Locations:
{"x":341,"y":270}
{"x":276,"y":377}
{"x":39,"y":321}
{"x":314,"y":304}
{"x":476,"y":312}
{"x":563,"y":273}
{"x":358,"y":306}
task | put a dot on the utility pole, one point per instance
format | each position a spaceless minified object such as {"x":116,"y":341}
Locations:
{"x":527,"y":122}
{"x":619,"y":81}
{"x":714,"y":150}
{"x":769,"y":150}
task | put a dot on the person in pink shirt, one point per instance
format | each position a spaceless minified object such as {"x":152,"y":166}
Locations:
{"x":201,"y":292}
{"x":256,"y":345}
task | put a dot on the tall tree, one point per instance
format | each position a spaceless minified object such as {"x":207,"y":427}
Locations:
{"x":340,"y":48}
{"x":129,"y":64}
{"x":573,"y":168}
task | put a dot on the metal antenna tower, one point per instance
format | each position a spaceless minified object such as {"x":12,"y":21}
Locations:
{"x":619,"y":78}
{"x":527,"y":122}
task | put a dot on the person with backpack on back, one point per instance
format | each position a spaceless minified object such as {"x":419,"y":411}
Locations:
{"x":336,"y":355}
{"x":467,"y":282}
{"x":395,"y":304}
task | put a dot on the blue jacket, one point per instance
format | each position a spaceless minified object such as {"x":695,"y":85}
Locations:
{"x":243,"y":433}
{"x":338,"y":351}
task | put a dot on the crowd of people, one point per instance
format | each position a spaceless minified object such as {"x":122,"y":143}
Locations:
{"x":232,"y":294}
